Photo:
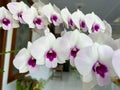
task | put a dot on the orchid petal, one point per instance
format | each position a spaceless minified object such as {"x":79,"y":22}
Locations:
{"x":33,"y":69}
{"x":56,"y":8}
{"x":102,"y":38}
{"x":16,"y":7}
{"x":58,"y":21}
{"x":51,"y":39}
{"x":39,"y":22}
{"x":6,"y":21}
{"x":1,"y":12}
{"x":117,"y":43}
{"x":46,"y":31}
{"x":23,"y":5}
{"x":89,"y":19}
{"x":100,"y":22}
{"x":62,"y":47}
{"x":84,"y":41}
{"x":108,"y":28}
{"x":13,"y":8}
{"x":77,"y":19}
{"x":40,"y":26}
{"x":90,"y":85}
{"x":105,"y":58}
{"x":88,"y":78}
{"x":85,"y":59}
{"x":23,"y":69}
{"x":7,"y":27}
{"x":39,"y":48}
{"x":20,"y":60}
{"x":116,"y":62}
{"x":29,"y":15}
{"x":103,"y":81}
{"x":65,"y":14}
{"x":29,"y":46}
{"x":72,"y":61}
{"x":51,"y":64}
{"x":48,"y":10}
{"x":72,"y":36}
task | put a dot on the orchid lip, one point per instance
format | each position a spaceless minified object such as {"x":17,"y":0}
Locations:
{"x":82,"y":24}
{"x":37,"y":21}
{"x":74,"y":51}
{"x":100,"y":69}
{"x":95,"y":27}
{"x":70,"y":22}
{"x":6,"y":21}
{"x":20,"y":14}
{"x":51,"y":55}
{"x":20,"y":18}
{"x":32,"y":62}
{"x":54,"y":18}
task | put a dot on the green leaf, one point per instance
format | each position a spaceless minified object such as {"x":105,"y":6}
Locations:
{"x":1,"y":70}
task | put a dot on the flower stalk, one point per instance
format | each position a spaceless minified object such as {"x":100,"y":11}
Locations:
{"x":12,"y":51}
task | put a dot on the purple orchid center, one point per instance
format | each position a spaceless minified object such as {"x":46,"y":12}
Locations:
{"x":51,"y":54}
{"x":37,"y":21}
{"x":54,"y":18}
{"x":100,"y":69}
{"x":20,"y":14}
{"x":82,"y":24}
{"x":20,"y":17}
{"x":74,"y":51}
{"x":6,"y":21}
{"x":32,"y":62}
{"x":95,"y":27}
{"x":70,"y":22}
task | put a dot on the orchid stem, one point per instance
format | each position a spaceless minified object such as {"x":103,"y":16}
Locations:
{"x":1,"y":70}
{"x":12,"y":51}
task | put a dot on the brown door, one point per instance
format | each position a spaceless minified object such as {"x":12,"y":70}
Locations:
{"x":3,"y":36}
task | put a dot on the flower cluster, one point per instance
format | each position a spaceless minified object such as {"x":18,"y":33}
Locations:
{"x":96,"y":55}
{"x":40,"y":17}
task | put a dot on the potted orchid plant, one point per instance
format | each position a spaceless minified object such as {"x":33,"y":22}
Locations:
{"x":89,"y":45}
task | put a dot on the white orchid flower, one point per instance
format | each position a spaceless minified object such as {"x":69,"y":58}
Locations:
{"x":52,"y":15}
{"x":24,"y":61}
{"x":45,"y":51}
{"x":17,"y":8}
{"x":79,"y":20}
{"x":103,"y":38}
{"x":67,"y":18}
{"x":116,"y":44}
{"x":32,"y":18}
{"x":108,"y":28}
{"x":6,"y":20}
{"x":116,"y":62}
{"x":74,"y":41}
{"x":94,"y":23}
{"x":95,"y":63}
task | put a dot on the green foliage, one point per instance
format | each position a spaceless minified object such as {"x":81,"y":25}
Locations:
{"x":75,"y":72}
{"x":12,"y":51}
{"x":27,"y":83}
{"x":1,"y":70}
{"x":42,"y":84}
